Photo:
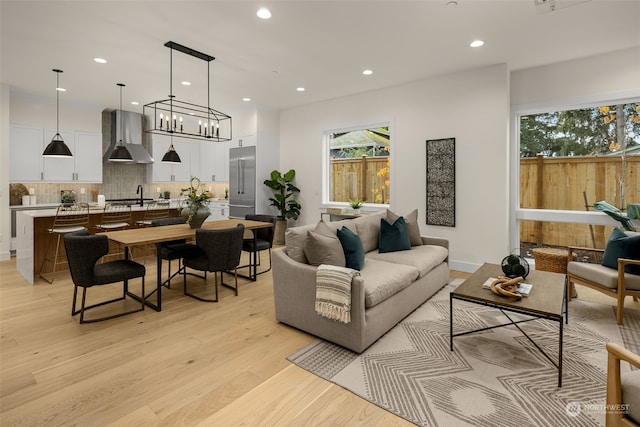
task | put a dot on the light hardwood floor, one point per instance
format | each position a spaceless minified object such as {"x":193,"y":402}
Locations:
{"x":194,"y":363}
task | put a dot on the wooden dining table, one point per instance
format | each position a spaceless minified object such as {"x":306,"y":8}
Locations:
{"x":157,"y":235}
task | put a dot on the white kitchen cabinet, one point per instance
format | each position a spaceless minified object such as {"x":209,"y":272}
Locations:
{"x":214,"y":161}
{"x":219,"y":210}
{"x":28,"y":165}
{"x":84,"y":166}
{"x":170,"y":172}
{"x":88,"y":157}
{"x":25,"y":153}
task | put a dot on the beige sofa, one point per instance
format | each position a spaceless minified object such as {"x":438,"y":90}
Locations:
{"x":390,"y":285}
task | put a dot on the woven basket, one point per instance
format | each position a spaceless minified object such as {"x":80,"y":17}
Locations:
{"x":551,"y":259}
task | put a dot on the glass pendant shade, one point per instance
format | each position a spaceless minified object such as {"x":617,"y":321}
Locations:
{"x":57,"y":147}
{"x":120,"y":154}
{"x":171,"y":156}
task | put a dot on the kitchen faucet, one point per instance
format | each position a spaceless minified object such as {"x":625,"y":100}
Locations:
{"x":140,"y":191}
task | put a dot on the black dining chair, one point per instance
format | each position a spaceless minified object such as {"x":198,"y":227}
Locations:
{"x":174,"y":249}
{"x":83,"y":252}
{"x":221,"y":250}
{"x":263,"y":241}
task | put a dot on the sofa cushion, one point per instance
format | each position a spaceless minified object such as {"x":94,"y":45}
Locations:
{"x":323,"y":247}
{"x":368,"y":228}
{"x":382,"y":280}
{"x":412,"y":225}
{"x":352,"y":248}
{"x":425,"y":258}
{"x":294,"y":238}
{"x":622,"y":245}
{"x":630,"y":384}
{"x":393,"y":237}
{"x":603,"y":275}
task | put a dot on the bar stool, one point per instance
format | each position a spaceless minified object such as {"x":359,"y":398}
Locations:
{"x":68,"y":219}
{"x":155,"y":210}
{"x":115,"y":217}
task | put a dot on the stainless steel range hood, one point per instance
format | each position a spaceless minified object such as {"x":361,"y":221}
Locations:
{"x":131,"y":133}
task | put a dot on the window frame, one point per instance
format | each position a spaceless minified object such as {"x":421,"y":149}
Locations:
{"x":325,"y":202}
{"x":516,"y":213}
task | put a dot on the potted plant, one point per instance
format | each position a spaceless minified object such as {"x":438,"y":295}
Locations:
{"x":196,"y":209}
{"x":356,"y":204}
{"x":284,"y":191}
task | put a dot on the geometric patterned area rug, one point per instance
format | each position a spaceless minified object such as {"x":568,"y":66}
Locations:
{"x":492,"y":378}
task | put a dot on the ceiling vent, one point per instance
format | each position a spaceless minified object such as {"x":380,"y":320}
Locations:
{"x":546,"y":6}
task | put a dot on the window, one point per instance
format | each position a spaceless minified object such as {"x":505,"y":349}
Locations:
{"x":358,"y":165}
{"x":569,"y":160}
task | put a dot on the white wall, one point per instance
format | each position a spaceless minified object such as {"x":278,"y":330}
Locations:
{"x":471,"y":106}
{"x":37,"y":111}
{"x":602,"y":76}
{"x":5,"y":217}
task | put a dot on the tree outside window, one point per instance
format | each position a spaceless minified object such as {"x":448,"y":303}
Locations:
{"x":570,"y":160}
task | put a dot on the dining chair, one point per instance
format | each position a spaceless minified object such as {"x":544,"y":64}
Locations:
{"x":83,"y":252}
{"x":221,"y":250}
{"x":68,"y":219}
{"x":263,"y":241}
{"x":174,"y":249}
{"x":623,"y":389}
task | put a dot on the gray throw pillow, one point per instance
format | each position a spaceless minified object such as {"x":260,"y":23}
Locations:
{"x":411,"y":219}
{"x":322,"y":246}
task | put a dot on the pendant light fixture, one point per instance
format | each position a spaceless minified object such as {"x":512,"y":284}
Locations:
{"x":171,"y":156}
{"x":121,"y":153}
{"x":185,"y":119}
{"x":57,"y":147}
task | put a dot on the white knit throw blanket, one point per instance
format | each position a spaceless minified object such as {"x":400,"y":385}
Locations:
{"x":333,"y":292}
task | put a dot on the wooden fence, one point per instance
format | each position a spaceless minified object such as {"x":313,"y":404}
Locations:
{"x":565,"y":183}
{"x":365,"y":178}
{"x":574,"y":183}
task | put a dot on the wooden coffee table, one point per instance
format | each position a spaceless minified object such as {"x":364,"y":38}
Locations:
{"x":548,"y":300}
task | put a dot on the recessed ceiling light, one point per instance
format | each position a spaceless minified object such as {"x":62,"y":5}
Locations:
{"x":246,"y":99}
{"x":367,"y":72}
{"x":300,"y":89}
{"x":100,"y":60}
{"x":476,"y":43}
{"x":135,"y":103}
{"x":186,"y":83}
{"x":61,"y":89}
{"x":264,"y":13}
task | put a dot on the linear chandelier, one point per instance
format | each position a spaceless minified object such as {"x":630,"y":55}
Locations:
{"x":184,"y":119}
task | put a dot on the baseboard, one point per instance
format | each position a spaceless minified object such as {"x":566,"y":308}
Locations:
{"x":465,"y":267}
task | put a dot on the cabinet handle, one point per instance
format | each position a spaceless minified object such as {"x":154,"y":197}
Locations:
{"x":41,"y":176}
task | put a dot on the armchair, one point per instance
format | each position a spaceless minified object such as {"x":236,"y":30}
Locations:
{"x":615,"y":283}
{"x":623,"y":390}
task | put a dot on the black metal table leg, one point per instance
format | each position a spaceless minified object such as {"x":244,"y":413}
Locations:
{"x":451,"y":322}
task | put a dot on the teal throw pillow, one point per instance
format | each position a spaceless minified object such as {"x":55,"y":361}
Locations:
{"x":352,"y":247}
{"x":393,"y":237}
{"x":622,"y":245}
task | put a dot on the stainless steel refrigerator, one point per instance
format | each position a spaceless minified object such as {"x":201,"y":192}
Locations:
{"x":242,"y":181}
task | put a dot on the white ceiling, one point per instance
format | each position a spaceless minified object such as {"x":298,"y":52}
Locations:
{"x":321,"y":45}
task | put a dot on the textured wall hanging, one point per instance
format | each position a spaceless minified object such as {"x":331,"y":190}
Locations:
{"x":441,"y":182}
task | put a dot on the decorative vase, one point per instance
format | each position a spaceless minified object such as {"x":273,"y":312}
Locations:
{"x":356,"y":211}
{"x":198,"y":218}
{"x":278,"y":234}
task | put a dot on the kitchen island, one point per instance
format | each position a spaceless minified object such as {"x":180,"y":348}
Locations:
{"x":32,"y":236}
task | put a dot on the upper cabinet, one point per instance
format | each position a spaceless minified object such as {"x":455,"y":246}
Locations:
{"x":170,"y":172}
{"x":28,"y":165}
{"x":214,"y":161}
{"x":25,"y":153}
